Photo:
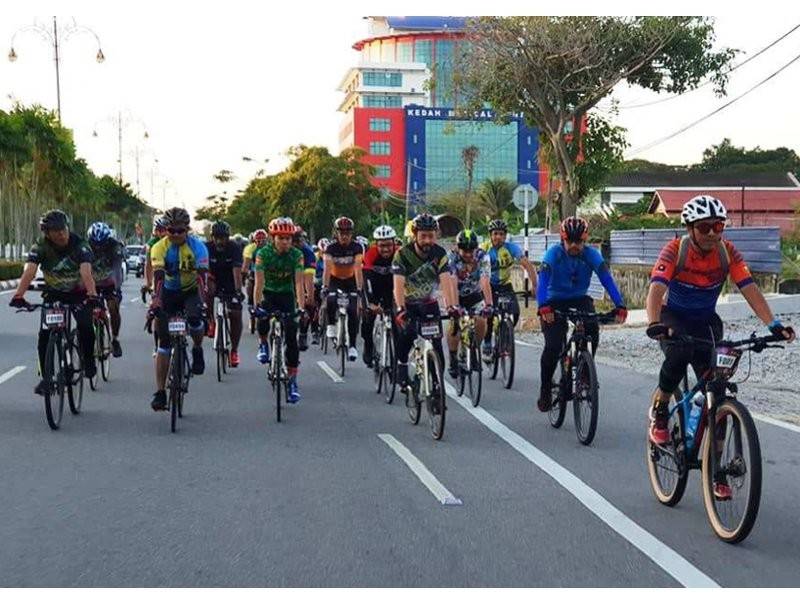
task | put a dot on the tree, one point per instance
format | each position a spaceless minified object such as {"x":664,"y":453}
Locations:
{"x":468,"y":157}
{"x":556,"y":69}
{"x":496,"y":197}
{"x":727,"y":157}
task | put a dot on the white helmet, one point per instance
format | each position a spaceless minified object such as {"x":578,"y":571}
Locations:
{"x":702,"y":207}
{"x":384,"y":232}
{"x":323,"y":244}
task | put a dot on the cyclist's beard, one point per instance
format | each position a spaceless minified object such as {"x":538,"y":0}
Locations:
{"x":424,"y":248}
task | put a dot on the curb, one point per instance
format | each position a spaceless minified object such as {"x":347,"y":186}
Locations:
{"x":8,"y":284}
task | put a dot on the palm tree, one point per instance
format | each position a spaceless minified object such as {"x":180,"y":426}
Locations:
{"x":468,"y":156}
{"x":496,"y":197}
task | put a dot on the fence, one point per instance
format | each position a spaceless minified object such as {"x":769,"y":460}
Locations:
{"x":760,"y":246}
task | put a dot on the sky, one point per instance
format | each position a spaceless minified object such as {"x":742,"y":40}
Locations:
{"x":210,"y":87}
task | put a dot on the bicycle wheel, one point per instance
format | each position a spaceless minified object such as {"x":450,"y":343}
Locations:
{"x":495,"y":349}
{"x":435,"y":402}
{"x":219,"y":347}
{"x":226,"y":344}
{"x":476,"y":374}
{"x":739,"y":464}
{"x":341,"y":346}
{"x":507,"y":353}
{"x":666,"y":465}
{"x":277,"y":383}
{"x":377,"y":357}
{"x":98,"y":353}
{"x":175,"y":384}
{"x":323,"y":330}
{"x":54,"y":381}
{"x":585,"y":401}
{"x":74,"y":372}
{"x":390,"y":371}
{"x":560,"y":391}
{"x":462,"y":372}
{"x":105,"y":350}
{"x":412,"y":401}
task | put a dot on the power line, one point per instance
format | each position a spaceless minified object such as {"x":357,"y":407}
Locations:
{"x":709,"y":82}
{"x":712,"y":113}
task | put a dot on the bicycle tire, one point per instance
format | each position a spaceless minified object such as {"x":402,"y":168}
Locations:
{"x":323,"y":330}
{"x":413,"y":405}
{"x":98,"y":352}
{"x":175,"y":384}
{"x":341,"y":346}
{"x":671,"y":493}
{"x":226,"y":341}
{"x":435,"y":403}
{"x":477,"y":369}
{"x":585,"y":397}
{"x":462,"y":376}
{"x":54,"y":383}
{"x":75,"y":375}
{"x":278,"y":382}
{"x":219,"y":347}
{"x":390,"y":371}
{"x":508,"y":353}
{"x":495,"y":349}
{"x":377,"y":358}
{"x":105,"y":364}
{"x":558,"y":408}
{"x":747,"y":430}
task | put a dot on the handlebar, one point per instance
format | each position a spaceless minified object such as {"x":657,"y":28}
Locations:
{"x":753,"y":343}
{"x":574,"y":314}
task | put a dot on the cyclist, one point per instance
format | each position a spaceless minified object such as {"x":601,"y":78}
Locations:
{"x":343,"y":271}
{"x":471,"y":269}
{"x":420,"y":270}
{"x":378,"y":283}
{"x":159,"y":231}
{"x":564,"y":279}
{"x":66,"y":262}
{"x":180,"y":269}
{"x":503,"y":255}
{"x":225,"y":281}
{"x":258,"y":240}
{"x":108,"y":255}
{"x":299,"y":241}
{"x":322,"y":244}
{"x":363,"y":242}
{"x":690,"y":272}
{"x":279,"y":286}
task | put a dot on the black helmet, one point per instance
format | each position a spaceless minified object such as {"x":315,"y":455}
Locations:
{"x":574,"y":229}
{"x":220,"y":229}
{"x":424,"y":222}
{"x":54,"y":219}
{"x":498,"y":225}
{"x":467,"y":240}
{"x":176,"y":216}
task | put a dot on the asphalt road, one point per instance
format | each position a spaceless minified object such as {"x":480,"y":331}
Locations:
{"x":236,"y":499}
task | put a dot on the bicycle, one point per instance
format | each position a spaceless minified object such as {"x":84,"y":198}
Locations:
{"x":59,"y":373}
{"x":470,"y":367}
{"x":730,"y":426}
{"x":384,"y":364}
{"x":578,"y":381}
{"x":503,"y":347}
{"x":222,"y":335}
{"x":427,"y":384}
{"x":277,"y":374}
{"x":102,"y":342}
{"x":341,"y":340}
{"x":180,"y":371}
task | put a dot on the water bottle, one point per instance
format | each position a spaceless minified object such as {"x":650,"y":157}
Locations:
{"x":694,"y":415}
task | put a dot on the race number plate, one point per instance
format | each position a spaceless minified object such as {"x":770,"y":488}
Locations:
{"x":725,"y":361}
{"x":430,"y":330}
{"x":177,"y":326}
{"x":54,"y":317}
{"x":343,"y":301}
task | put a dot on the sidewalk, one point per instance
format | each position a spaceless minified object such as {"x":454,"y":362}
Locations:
{"x":8,"y":284}
{"x":732,"y":307}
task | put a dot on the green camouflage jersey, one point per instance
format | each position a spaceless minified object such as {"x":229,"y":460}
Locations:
{"x":107,"y":261}
{"x":278,"y":269}
{"x":421,"y":272}
{"x":61,"y":266}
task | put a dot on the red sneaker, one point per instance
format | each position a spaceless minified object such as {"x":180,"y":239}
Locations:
{"x":722,"y":491}
{"x":234,"y":359}
{"x":212,"y":329}
{"x":659,"y":434}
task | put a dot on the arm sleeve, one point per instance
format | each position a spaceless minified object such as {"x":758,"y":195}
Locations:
{"x":201,"y":256}
{"x":545,"y":273}
{"x":85,"y":254}
{"x":236,"y":255}
{"x":258,"y":260}
{"x":608,"y":282}
{"x":515,"y":250}
{"x":158,"y":256}
{"x":398,"y":266}
{"x":739,"y":271}
{"x":34,"y":255}
{"x":664,"y":268}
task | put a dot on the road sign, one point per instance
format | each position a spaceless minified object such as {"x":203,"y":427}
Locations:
{"x":525,"y":197}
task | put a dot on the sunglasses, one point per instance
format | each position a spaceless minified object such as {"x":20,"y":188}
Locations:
{"x":706,"y":228}
{"x":176,"y":230}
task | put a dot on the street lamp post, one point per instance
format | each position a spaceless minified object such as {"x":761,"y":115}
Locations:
{"x":121,"y":121}
{"x":56,"y":39}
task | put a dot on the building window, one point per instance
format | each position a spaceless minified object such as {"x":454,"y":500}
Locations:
{"x":415,"y":138}
{"x":379,"y":124}
{"x":415,"y":186}
{"x":386,"y":101}
{"x":383,"y":79}
{"x":382,"y":171}
{"x":422,"y":52}
{"x":404,"y":52}
{"x":387,"y":51}
{"x":529,"y":140}
{"x":529,"y":162}
{"x":380,"y":148}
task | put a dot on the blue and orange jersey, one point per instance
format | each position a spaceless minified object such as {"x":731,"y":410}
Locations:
{"x":180,"y":263}
{"x":695,"y":289}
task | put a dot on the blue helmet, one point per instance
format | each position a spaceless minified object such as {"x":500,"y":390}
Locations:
{"x":99,"y":232}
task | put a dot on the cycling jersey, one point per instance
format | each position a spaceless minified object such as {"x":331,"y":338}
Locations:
{"x":319,"y":269}
{"x":61,"y":266}
{"x":152,"y":242}
{"x":343,"y":259}
{"x":309,"y":259}
{"x":222,"y":261}
{"x":565,"y":277}
{"x":694,"y":291}
{"x":421,"y":272}
{"x":469,"y":276}
{"x":180,"y":264}
{"x":278,"y":269}
{"x":378,"y":276}
{"x":250,"y":252}
{"x":502,"y":259}
{"x":107,"y":262}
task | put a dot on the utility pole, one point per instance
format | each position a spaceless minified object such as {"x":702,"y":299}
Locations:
{"x":58,"y":76}
{"x":408,"y":190}
{"x":119,"y":134}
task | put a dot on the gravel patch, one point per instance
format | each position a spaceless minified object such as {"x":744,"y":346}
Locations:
{"x":771,"y":388}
